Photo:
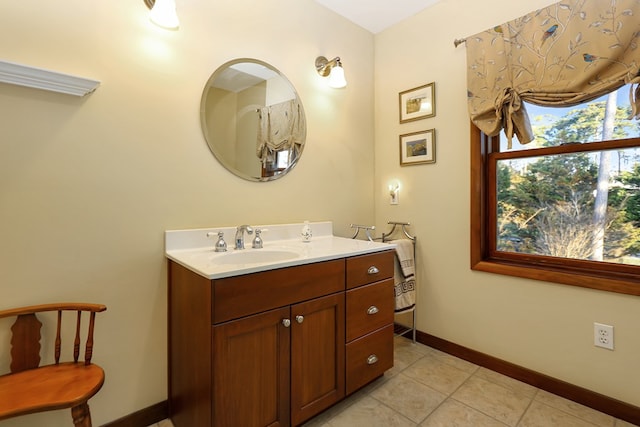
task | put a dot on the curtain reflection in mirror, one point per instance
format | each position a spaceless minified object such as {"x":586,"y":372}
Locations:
{"x":280,"y":136}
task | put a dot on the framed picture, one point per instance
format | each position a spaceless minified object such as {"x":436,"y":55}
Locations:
{"x":418,"y":147}
{"x":418,"y":103}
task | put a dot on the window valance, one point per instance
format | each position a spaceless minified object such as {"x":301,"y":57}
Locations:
{"x":565,"y":54}
{"x":279,"y":128}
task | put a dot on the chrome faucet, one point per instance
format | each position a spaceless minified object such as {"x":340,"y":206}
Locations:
{"x":240,"y":235}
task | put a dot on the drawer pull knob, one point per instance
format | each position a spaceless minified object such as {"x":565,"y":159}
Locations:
{"x":299,"y":319}
{"x":373,"y":270}
{"x":372,"y":359}
{"x":372,"y":310}
{"x":286,"y":322}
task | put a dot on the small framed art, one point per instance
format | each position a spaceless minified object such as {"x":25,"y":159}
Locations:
{"x":418,"y":103}
{"x":418,"y":147}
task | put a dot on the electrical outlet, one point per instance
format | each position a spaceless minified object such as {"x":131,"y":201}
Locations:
{"x":603,"y":336}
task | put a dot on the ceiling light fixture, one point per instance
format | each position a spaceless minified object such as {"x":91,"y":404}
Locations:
{"x":333,"y":69}
{"x":163,"y":13}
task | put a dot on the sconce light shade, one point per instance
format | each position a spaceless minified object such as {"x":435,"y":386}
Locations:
{"x":394,"y":190}
{"x":336,"y":78}
{"x":163,"y":13}
{"x":333,"y":69}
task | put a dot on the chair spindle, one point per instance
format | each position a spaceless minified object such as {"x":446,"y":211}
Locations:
{"x":58,"y":343}
{"x":76,"y":341}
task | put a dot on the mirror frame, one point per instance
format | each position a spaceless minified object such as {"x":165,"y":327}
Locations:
{"x":209,"y":139}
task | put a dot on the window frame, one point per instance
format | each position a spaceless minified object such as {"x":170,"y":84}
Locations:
{"x":603,"y":276}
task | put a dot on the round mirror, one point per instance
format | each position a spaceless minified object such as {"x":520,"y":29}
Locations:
{"x":253,"y":120}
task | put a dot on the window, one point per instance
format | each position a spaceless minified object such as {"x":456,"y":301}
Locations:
{"x":566,"y":207}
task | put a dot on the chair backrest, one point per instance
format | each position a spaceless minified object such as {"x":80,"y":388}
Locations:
{"x":25,"y":340}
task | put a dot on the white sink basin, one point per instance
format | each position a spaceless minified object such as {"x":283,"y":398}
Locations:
{"x":283,"y":248}
{"x":255,"y":256}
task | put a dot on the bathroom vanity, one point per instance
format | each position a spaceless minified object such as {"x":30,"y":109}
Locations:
{"x":273,"y":338}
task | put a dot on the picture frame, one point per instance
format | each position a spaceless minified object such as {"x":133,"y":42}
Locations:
{"x":418,"y":103}
{"x":418,"y":147}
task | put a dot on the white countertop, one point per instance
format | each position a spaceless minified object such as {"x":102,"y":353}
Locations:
{"x":193,"y":250}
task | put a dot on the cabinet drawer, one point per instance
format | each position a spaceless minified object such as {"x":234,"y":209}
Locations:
{"x":368,"y":357}
{"x":369,"y":268}
{"x":239,"y":296}
{"x":369,"y":308}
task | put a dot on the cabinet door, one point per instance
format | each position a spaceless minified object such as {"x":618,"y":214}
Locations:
{"x":317,"y":356}
{"x":251,"y":371}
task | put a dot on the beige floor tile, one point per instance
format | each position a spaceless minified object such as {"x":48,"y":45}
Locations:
{"x":404,"y":342}
{"x":507,"y":382}
{"x":323,"y":418}
{"x":409,"y":397}
{"x":415,"y":391}
{"x":541,"y":415}
{"x":435,"y":373}
{"x":454,"y":361}
{"x":404,"y":356}
{"x":620,"y":423}
{"x":591,"y":415}
{"x":492,"y":399}
{"x":455,"y":414}
{"x":369,"y":412}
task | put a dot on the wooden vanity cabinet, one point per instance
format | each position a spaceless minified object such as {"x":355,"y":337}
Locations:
{"x":257,"y":357}
{"x":370,"y":309}
{"x":317,"y":356}
{"x":251,"y":371}
{"x":273,"y":348}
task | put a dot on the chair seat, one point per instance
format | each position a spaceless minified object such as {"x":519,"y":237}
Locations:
{"x":49,"y":387}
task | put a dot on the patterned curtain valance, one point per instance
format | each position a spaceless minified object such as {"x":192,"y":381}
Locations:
{"x":279,"y":128}
{"x":565,"y":54}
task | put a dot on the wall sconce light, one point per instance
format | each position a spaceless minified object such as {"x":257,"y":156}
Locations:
{"x":163,"y":13}
{"x":394,"y":193}
{"x":333,"y":69}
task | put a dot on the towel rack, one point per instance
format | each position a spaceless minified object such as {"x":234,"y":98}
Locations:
{"x":385,"y":238}
{"x":367,"y":230}
{"x":404,"y":226}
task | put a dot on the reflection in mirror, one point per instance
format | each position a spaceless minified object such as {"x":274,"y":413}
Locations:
{"x":253,"y":120}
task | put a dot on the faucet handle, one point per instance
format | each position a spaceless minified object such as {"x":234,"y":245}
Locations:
{"x":221,"y":245}
{"x":257,"y":241}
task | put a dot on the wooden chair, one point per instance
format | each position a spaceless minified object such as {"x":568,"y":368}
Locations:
{"x":30,"y":388}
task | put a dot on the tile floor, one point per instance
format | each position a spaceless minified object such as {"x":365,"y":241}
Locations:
{"x":429,"y":388}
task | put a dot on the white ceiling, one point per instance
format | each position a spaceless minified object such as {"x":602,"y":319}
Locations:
{"x":376,"y":15}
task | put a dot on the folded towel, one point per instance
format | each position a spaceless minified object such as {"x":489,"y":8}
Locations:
{"x":404,"y":276}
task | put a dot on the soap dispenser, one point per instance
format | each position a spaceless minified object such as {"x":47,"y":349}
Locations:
{"x":306,"y":232}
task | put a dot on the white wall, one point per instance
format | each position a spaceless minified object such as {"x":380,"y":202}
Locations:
{"x":88,"y":186}
{"x":542,"y":326}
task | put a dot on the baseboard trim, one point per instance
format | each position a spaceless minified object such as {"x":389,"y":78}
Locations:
{"x":600,"y":402}
{"x":144,"y":417}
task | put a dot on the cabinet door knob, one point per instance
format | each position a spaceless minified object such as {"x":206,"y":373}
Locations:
{"x":372,"y":359}
{"x":372,"y":310}
{"x":373,"y":270}
{"x":299,"y":319}
{"x":286,"y":322}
